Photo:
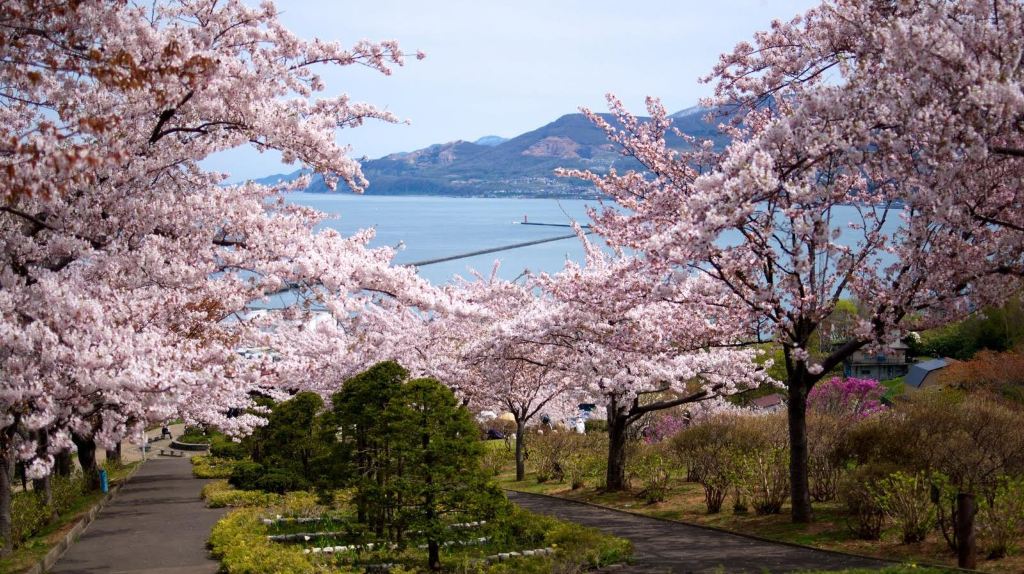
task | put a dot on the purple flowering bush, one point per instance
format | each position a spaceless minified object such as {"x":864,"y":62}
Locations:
{"x":841,"y":397}
{"x":665,"y":426}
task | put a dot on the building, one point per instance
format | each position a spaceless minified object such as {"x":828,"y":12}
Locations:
{"x":769,"y":403}
{"x":882,"y":364}
{"x":925,"y":373}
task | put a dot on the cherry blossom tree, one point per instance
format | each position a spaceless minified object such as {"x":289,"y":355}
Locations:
{"x":506,"y":371}
{"x":907,"y":115}
{"x":637,"y":343}
{"x":466,"y":341}
{"x":121,"y":257}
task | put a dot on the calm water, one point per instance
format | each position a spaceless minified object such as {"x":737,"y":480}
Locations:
{"x":434,"y":227}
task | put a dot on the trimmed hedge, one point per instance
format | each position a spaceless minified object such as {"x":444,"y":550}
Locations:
{"x":247,"y":475}
{"x":219,"y":494}
{"x":239,"y":541}
{"x":227,"y":449}
{"x":280,"y":481}
{"x":209,"y":466}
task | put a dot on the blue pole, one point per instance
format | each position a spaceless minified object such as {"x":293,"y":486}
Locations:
{"x":104,"y":486}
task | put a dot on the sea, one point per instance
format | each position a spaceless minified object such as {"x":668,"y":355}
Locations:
{"x":433,"y":227}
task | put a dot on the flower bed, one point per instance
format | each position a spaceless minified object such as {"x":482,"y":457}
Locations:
{"x":517,"y":541}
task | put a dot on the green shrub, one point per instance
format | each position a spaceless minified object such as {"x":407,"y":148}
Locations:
{"x":65,"y":491}
{"x":587,"y":546}
{"x":194,"y":435}
{"x":576,"y":545}
{"x":281,"y":481}
{"x":865,"y":517}
{"x":219,"y":494}
{"x":826,"y":432}
{"x":906,"y":498}
{"x":246,"y":475}
{"x":762,"y":469}
{"x":212,"y":467}
{"x":546,"y":450}
{"x":708,"y":452}
{"x":228,"y":449}
{"x":517,"y":526}
{"x":495,"y":456}
{"x":535,"y":565}
{"x":650,"y":469}
{"x":1001,"y":517}
{"x":239,"y":540}
{"x":301,"y":504}
{"x":562,"y":455}
{"x":28,"y":516}
{"x":595,"y":426}
{"x":577,"y":466}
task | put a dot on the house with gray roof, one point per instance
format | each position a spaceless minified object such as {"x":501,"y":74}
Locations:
{"x":925,"y":373}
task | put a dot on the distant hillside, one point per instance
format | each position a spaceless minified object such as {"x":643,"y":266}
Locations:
{"x":491,"y":140}
{"x":522,"y":166}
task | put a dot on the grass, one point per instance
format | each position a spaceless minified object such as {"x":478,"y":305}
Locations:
{"x":685,"y":503}
{"x":35,"y":548}
{"x":894,"y":388}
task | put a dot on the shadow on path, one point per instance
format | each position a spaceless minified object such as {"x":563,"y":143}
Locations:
{"x":670,"y":547}
{"x":155,"y":525}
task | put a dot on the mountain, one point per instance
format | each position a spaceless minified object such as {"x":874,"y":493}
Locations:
{"x":522,"y":166}
{"x":491,"y":140}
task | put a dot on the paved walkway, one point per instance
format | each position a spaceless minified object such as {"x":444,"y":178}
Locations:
{"x":670,"y":547}
{"x":155,"y":525}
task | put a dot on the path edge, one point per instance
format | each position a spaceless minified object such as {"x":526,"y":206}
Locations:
{"x":746,"y":535}
{"x":55,"y":553}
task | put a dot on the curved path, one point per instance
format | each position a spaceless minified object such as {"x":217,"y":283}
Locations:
{"x":155,"y":525}
{"x":663,"y":546}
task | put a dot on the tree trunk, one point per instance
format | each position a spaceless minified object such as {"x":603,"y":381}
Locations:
{"x":5,"y":501}
{"x":43,"y":487}
{"x":21,"y":471}
{"x":114,"y":454}
{"x":433,"y":548}
{"x":434,"y":555}
{"x":62,"y":463}
{"x":615,"y":479}
{"x":800,"y":490}
{"x":87,"y":458}
{"x":380,"y":512}
{"x":967,"y":550}
{"x":520,"y":450}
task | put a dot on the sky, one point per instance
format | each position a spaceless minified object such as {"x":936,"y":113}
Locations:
{"x":508,"y":67}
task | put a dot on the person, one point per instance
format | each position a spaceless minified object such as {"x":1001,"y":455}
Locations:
{"x":165,"y":432}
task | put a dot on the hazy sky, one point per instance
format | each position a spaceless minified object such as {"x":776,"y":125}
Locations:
{"x":505,"y":68}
